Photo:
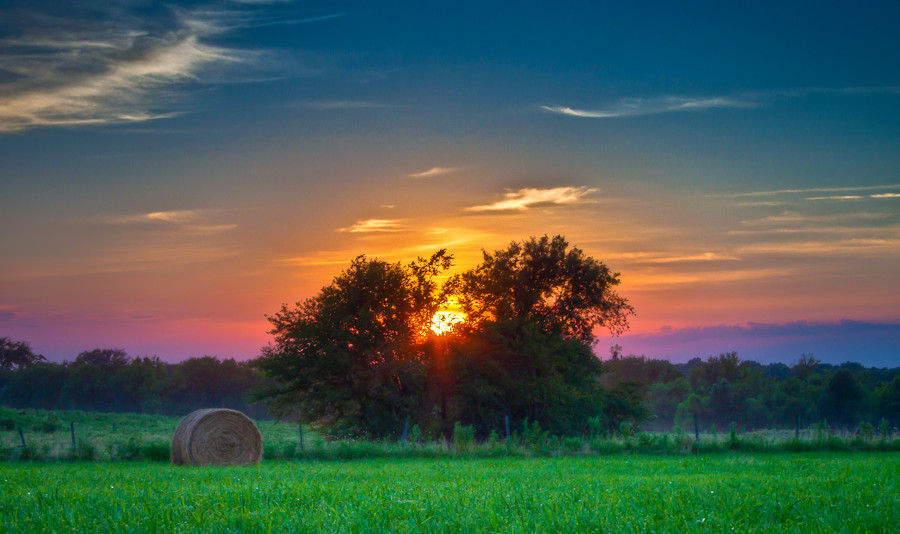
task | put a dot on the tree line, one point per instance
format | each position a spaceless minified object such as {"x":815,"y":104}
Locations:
{"x":725,"y":390}
{"x":108,"y":380}
{"x":722,"y":390}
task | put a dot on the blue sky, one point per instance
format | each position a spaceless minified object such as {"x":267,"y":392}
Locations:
{"x":171,"y":172}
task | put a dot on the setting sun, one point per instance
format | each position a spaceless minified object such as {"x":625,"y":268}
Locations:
{"x":445,"y":321}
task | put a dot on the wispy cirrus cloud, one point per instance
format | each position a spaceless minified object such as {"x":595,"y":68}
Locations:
{"x":525,"y":198}
{"x":635,"y":107}
{"x":803,"y":92}
{"x":434,"y":171}
{"x":335,"y":105}
{"x":156,"y":254}
{"x":661,"y":258}
{"x":662,"y":277}
{"x":855,"y":247}
{"x":777,"y":192}
{"x":173,"y":216}
{"x":374,"y":225}
{"x":194,"y":221}
{"x":297,"y":21}
{"x":831,"y":232}
{"x":793,"y":218}
{"x":115,"y":62}
{"x":856,"y":197}
{"x":316,"y":260}
{"x":838,"y":197}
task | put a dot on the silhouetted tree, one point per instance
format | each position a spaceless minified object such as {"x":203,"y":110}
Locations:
{"x":543,"y":282}
{"x":525,"y":349}
{"x":515,"y":369}
{"x":112,"y":357}
{"x":804,"y":367}
{"x":353,"y":355}
{"x":16,"y":355}
{"x":889,"y":400}
{"x":842,"y":398}
{"x":727,"y":366}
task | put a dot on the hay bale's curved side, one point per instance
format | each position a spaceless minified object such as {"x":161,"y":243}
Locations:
{"x":216,"y":436}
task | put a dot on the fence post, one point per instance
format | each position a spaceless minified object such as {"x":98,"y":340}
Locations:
{"x":797,"y":431}
{"x":506,"y":419}
{"x":72,"y":428}
{"x":696,"y":428}
{"x":22,"y":437}
{"x":405,"y":430}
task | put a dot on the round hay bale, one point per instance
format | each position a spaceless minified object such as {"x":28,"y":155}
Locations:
{"x":216,"y":436}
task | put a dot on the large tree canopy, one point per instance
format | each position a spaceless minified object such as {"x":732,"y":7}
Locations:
{"x":542,"y":281}
{"x":525,"y":348}
{"x":353,"y":354}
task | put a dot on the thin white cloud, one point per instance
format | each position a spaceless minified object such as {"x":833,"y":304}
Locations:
{"x":886,"y":195}
{"x":760,"y":203}
{"x":633,"y":107}
{"x":660,"y":279}
{"x":838,"y":197}
{"x":262,"y":2}
{"x":185,"y":222}
{"x":156,"y":255}
{"x":795,"y":218}
{"x":434,"y":171}
{"x":827,"y":248}
{"x":374,"y":225}
{"x":174,"y":216}
{"x":333,"y":105}
{"x":305,"y":20}
{"x":852,"y":231}
{"x":803,"y":92}
{"x":207,"y":229}
{"x":162,"y":251}
{"x":657,"y":258}
{"x":530,"y":197}
{"x":777,"y":192}
{"x":316,"y":260}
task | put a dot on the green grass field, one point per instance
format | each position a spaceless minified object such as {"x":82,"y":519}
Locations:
{"x":738,"y":492}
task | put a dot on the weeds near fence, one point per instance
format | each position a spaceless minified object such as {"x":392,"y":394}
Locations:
{"x":132,"y":437}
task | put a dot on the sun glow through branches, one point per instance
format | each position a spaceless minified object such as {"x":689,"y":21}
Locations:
{"x":445,"y":321}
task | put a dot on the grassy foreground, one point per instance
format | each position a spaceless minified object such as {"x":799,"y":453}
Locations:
{"x":814,"y":492}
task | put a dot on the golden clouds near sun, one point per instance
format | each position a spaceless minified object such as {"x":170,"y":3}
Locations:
{"x":445,"y":321}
